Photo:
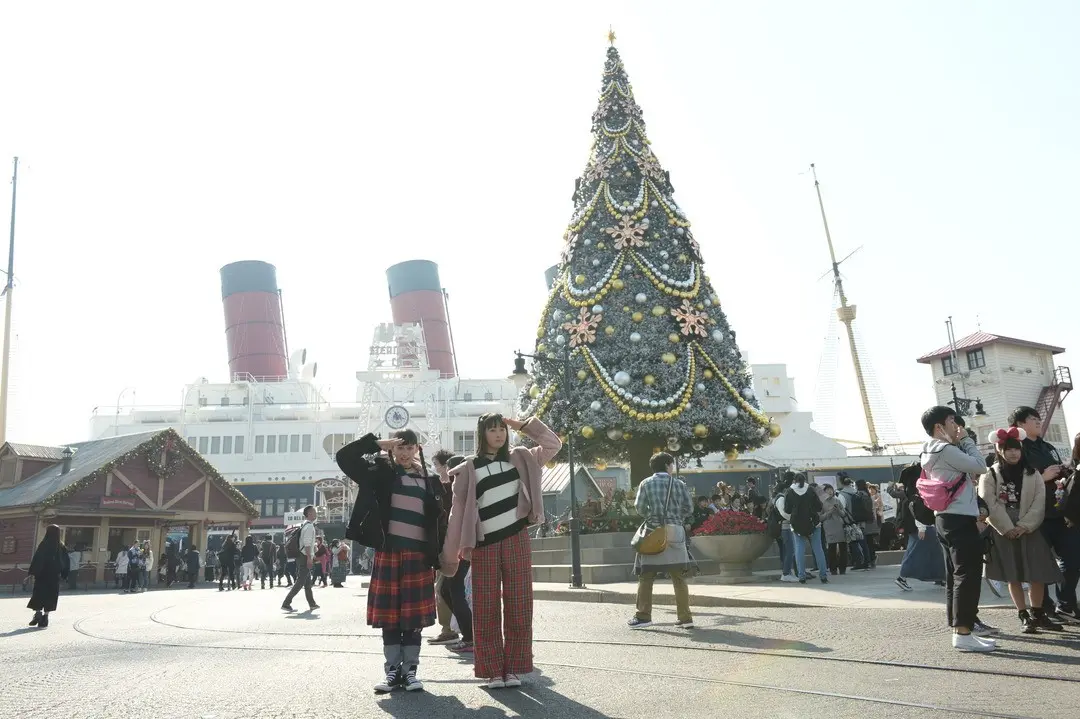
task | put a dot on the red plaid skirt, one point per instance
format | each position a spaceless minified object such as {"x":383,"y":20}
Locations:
{"x":402,"y":590}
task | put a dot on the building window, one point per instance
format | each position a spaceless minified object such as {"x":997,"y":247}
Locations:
{"x":305,"y":443}
{"x":294,"y":443}
{"x":488,"y":396}
{"x":468,"y":397}
{"x":947,"y":366}
{"x":226,"y":445}
{"x":225,"y":401}
{"x":238,"y":444}
{"x":465,"y":443}
{"x":260,"y":443}
{"x":283,"y":443}
{"x":193,"y":441}
{"x":279,"y":507}
{"x":976,"y":359}
{"x":215,"y":445}
{"x":271,"y":443}
{"x":204,"y":445}
{"x":79,"y":539}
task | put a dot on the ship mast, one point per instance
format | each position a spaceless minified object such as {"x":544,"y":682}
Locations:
{"x":846,"y":314}
{"x":8,"y":287}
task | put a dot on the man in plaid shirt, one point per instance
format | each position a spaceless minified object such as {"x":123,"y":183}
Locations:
{"x":664,"y":500}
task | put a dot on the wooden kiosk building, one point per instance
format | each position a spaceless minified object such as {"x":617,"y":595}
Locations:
{"x":107,"y":494}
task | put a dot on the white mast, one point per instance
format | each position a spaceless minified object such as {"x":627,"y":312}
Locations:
{"x":8,"y":288}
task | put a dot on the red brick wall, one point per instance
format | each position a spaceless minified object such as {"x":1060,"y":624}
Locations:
{"x":22,"y":529}
{"x":30,"y":467}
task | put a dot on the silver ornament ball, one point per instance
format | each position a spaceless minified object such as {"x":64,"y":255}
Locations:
{"x":595,"y":406}
{"x":641,"y":298}
{"x":731,"y":412}
{"x":635,"y":336}
{"x":622,"y":378}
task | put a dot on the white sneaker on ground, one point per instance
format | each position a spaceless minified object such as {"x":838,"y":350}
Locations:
{"x":970,"y":643}
{"x":389,"y":684}
{"x":789,"y":578}
{"x":494,"y":683}
{"x":511,"y":680}
{"x":685,"y":625}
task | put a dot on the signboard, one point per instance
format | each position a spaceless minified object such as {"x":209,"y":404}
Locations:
{"x":294,"y":518}
{"x":117,"y":503}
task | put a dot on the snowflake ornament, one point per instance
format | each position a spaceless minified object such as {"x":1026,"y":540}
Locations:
{"x":583,"y":331}
{"x":627,"y":234}
{"x":694,"y":246}
{"x":568,"y":247}
{"x":691,"y":321}
{"x":649,"y":165}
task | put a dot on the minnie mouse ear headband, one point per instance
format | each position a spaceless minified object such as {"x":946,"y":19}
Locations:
{"x":998,"y":437}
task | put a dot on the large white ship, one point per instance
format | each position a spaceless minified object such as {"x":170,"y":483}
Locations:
{"x":271,"y":432}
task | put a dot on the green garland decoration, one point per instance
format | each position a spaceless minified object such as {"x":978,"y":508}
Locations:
{"x":151,"y":450}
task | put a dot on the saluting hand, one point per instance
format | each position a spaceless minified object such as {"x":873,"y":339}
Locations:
{"x":387,"y":444}
{"x":513,"y":423}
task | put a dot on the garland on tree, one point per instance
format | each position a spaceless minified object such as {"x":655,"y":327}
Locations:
{"x":635,"y":314}
{"x":175,"y":450}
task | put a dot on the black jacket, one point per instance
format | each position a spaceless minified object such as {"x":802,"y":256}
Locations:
{"x":374,"y":477}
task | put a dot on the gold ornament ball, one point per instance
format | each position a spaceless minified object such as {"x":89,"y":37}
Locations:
{"x":673,"y":337}
{"x":541,"y":347}
{"x":550,"y":465}
{"x":700,"y":306}
{"x":649,"y":379}
{"x":609,"y":330}
{"x":731,"y":455}
{"x":708,"y":374}
{"x":637,"y":317}
{"x":774,"y":430}
{"x":626,"y":435}
{"x":587,"y":432}
{"x":668,"y":358}
{"x":682,"y":258}
{"x":701,"y":431}
{"x":599,"y":245}
{"x":601,"y":466}
{"x":539,"y":332}
{"x":659,"y":311}
{"x":618,"y":284}
{"x":582,"y":374}
{"x":650,"y":417}
{"x":580,"y":280}
{"x":534,"y":391}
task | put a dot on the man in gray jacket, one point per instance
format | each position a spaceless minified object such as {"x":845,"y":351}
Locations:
{"x":951,"y":457}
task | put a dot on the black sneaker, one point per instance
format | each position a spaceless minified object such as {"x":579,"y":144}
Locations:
{"x":984,"y":630}
{"x":1042,"y":620}
{"x":411,"y":683}
{"x":1050,"y":614}
{"x":903,"y":584}
{"x":390,"y":683}
{"x":287,"y":608}
{"x":636,"y":623}
{"x":1027,"y":624}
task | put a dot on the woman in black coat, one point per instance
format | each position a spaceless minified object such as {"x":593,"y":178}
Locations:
{"x":49,"y":565}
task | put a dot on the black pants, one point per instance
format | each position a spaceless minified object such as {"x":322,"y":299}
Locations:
{"x":1065,"y":541}
{"x":837,"y":558}
{"x":963,"y":547}
{"x":453,"y":592}
{"x":227,"y":570}
{"x":871,"y":546}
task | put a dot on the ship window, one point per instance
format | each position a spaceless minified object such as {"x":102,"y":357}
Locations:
{"x":215,"y":445}
{"x":193,"y":441}
{"x":260,"y":441}
{"x":465,"y":442}
{"x":225,"y":401}
{"x":947,"y":366}
{"x":468,"y":397}
{"x":488,"y":396}
{"x":226,"y":445}
{"x":976,"y":359}
{"x":238,"y":444}
{"x":204,"y":445}
{"x":294,"y":443}
{"x":271,"y":443}
{"x":283,"y":443}
{"x":306,"y":443}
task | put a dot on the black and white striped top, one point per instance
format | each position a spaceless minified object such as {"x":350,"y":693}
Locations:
{"x":497,"y":488}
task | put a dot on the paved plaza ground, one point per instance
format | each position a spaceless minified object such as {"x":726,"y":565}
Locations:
{"x":201,"y":654}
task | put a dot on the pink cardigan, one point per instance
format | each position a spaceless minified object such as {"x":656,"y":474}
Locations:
{"x":463,"y":531}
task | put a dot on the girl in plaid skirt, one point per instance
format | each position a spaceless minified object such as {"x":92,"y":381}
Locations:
{"x":396,"y":512}
{"x":497,"y":495}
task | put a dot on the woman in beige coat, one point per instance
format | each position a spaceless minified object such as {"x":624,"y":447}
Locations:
{"x":1016,"y":501}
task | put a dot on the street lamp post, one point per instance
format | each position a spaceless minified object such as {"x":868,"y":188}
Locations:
{"x":963,"y":405}
{"x":520,"y":376}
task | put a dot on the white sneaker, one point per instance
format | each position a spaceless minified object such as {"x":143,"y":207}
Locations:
{"x":789,"y":578}
{"x":986,"y":640}
{"x":511,"y":680}
{"x":494,"y":683}
{"x":970,"y":643}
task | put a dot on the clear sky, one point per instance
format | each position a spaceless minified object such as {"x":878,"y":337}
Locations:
{"x":336,"y":140}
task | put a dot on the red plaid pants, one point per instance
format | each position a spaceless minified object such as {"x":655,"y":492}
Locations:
{"x":507,"y":563}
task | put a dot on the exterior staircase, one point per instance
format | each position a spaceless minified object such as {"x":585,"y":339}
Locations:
{"x":608,"y":559}
{"x":1054,"y":394}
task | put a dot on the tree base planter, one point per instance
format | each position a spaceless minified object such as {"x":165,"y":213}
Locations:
{"x":732,"y":554}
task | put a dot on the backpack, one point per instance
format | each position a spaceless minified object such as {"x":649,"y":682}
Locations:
{"x":935,"y":494}
{"x":292,"y":542}
{"x":774,"y":527}
{"x":862,"y":507}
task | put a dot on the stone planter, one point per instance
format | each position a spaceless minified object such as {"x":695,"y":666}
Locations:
{"x":733,"y":554}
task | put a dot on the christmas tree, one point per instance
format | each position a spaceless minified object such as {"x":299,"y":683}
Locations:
{"x":653,"y":361}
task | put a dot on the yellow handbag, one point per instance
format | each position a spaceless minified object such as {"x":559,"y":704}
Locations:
{"x":646,"y":541}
